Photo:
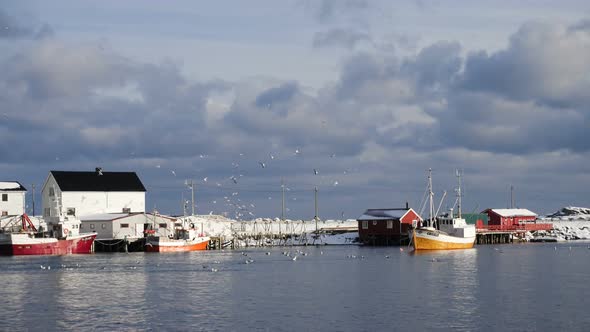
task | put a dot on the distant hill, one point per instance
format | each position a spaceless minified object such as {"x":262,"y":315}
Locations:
{"x":571,"y":213}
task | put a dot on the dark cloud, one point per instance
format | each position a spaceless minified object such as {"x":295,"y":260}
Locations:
{"x":273,"y":98}
{"x":435,"y":67}
{"x":340,"y":37}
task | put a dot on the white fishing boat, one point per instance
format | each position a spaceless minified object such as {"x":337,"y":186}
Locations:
{"x":447,"y":232}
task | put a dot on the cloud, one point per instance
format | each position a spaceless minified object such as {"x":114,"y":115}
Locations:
{"x":544,"y":62}
{"x":12,"y":28}
{"x":340,"y":37}
{"x":384,"y":121}
{"x":329,"y":9}
{"x":277,"y":95}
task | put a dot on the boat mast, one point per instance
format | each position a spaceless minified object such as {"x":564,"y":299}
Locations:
{"x":430,"y":199}
{"x":458,"y":173}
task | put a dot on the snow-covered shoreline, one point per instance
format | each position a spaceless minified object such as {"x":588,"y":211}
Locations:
{"x":274,"y":231}
{"x":569,"y":223}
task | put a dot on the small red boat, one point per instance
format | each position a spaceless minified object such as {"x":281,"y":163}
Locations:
{"x":62,"y":238}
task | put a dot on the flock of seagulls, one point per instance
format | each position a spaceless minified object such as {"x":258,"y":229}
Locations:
{"x":234,"y":206}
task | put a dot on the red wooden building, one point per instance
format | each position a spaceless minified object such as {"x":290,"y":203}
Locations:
{"x":510,"y":217}
{"x":386,"y":226}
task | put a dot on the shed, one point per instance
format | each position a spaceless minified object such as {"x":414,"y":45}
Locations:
{"x":386,"y":226}
{"x":118,"y":226}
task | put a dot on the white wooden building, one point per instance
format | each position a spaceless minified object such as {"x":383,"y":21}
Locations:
{"x":12,"y":198}
{"x":113,"y":226}
{"x":87,"y":193}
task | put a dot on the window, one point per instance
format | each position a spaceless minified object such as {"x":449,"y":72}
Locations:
{"x":4,"y":197}
{"x":163,"y":225}
{"x":389,"y":224}
{"x":124,"y":225}
{"x":47,"y":212}
{"x":71,"y":211}
{"x":91,"y":226}
{"x":81,"y":226}
{"x":103,"y":226}
{"x":365,"y":224}
{"x":4,"y":213}
{"x":374,"y":222}
{"x":126,"y":210}
{"x":51,"y":192}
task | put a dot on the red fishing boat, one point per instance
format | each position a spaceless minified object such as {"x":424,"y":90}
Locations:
{"x":61,"y":238}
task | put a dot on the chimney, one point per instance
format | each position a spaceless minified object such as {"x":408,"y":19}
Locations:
{"x":407,"y":206}
{"x":98,"y":170}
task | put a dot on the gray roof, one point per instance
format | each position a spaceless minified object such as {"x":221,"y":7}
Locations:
{"x":383,"y":214}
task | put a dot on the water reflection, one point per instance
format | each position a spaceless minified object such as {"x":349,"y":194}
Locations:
{"x":330,"y":288}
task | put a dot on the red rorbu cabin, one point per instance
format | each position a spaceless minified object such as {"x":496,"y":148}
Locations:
{"x":386,"y":226}
{"x":508,"y":218}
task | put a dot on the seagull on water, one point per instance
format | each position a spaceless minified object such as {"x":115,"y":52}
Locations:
{"x":315,"y":171}
{"x":262,"y":164}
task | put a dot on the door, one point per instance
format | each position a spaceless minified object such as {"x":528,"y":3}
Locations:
{"x":139,"y":230}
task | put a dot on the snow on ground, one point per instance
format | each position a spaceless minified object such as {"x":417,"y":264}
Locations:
{"x":569,"y":223}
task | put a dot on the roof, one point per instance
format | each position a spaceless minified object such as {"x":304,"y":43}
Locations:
{"x":11,"y":186}
{"x":513,"y":212}
{"x":104,"y":216}
{"x":94,"y":181}
{"x":383,"y":214}
{"x":116,"y":216}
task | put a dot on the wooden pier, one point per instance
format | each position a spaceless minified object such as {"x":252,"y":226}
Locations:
{"x":499,"y":237}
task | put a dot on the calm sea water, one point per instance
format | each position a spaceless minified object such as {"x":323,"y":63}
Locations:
{"x":532,"y":287}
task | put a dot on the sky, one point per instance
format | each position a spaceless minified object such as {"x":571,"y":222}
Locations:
{"x":356,"y":98}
